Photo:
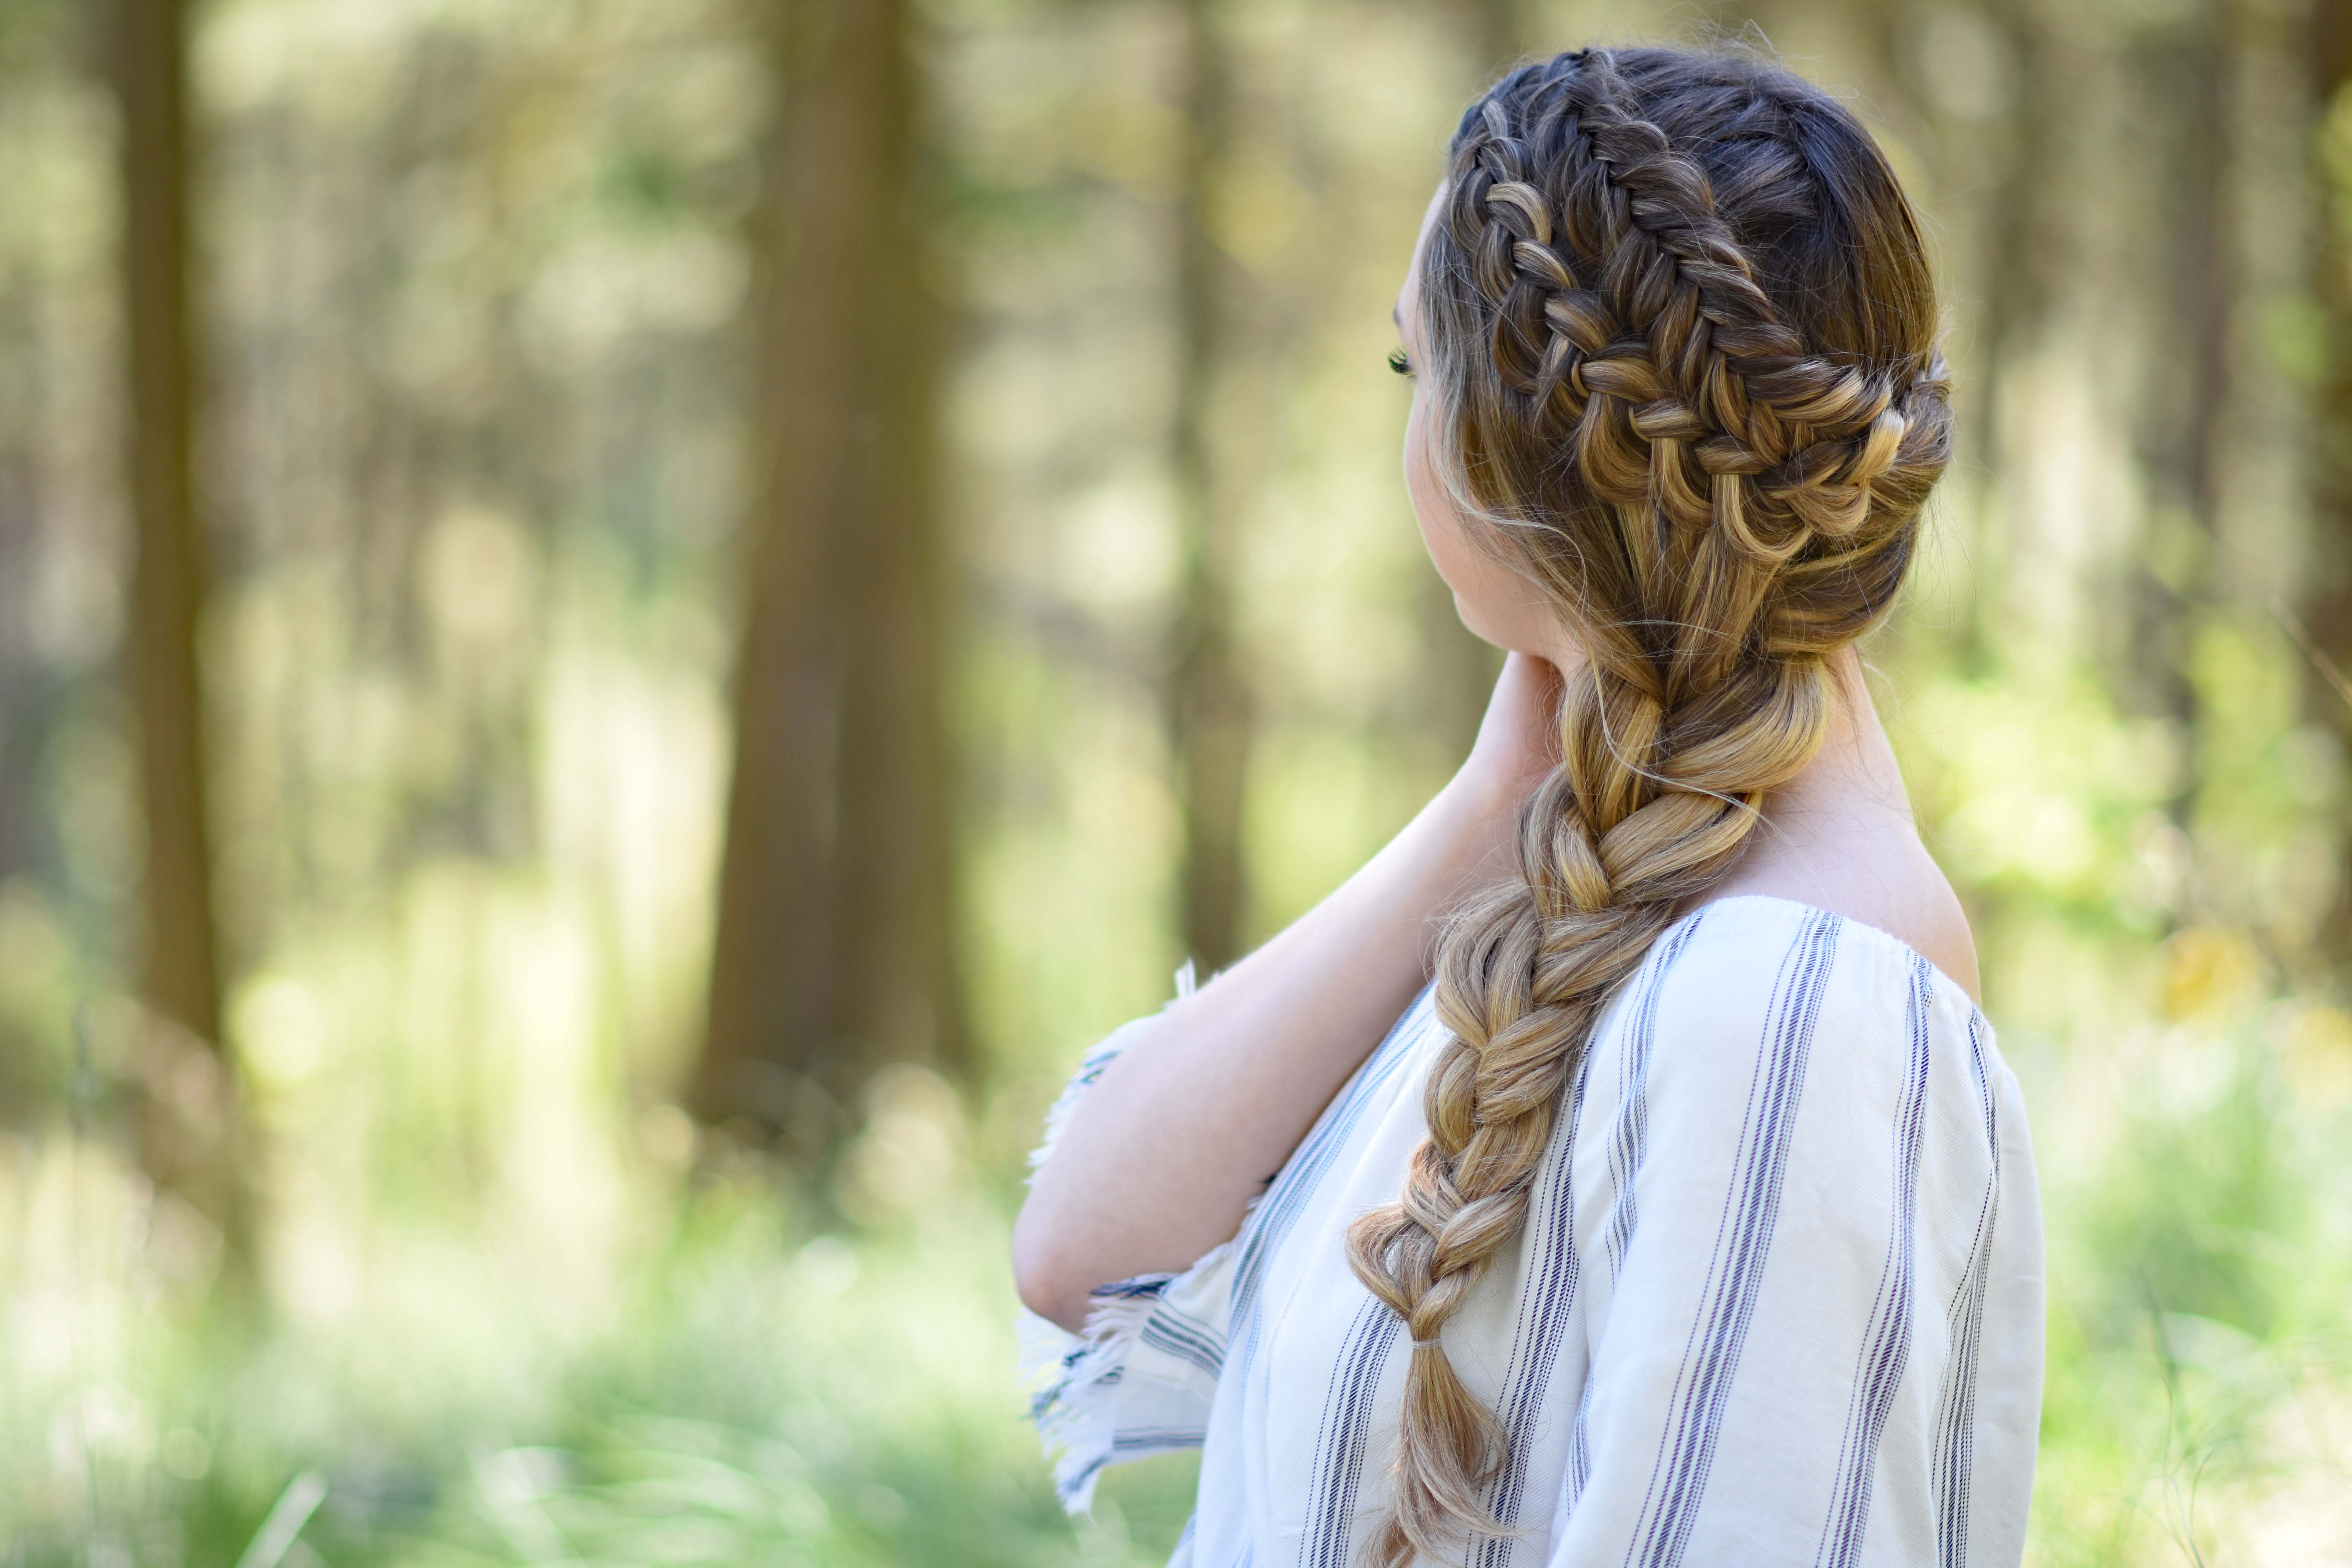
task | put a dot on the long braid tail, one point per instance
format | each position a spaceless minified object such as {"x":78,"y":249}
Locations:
{"x":1715,"y":506}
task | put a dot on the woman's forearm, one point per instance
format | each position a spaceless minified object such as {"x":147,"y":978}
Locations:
{"x":1185,"y":1126}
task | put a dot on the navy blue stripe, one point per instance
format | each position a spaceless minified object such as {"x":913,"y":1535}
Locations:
{"x":1048,"y":1397}
{"x":1629,"y":1145}
{"x":1135,"y":1444}
{"x":1339,"y":1444}
{"x":1743,"y":1241}
{"x":1181,"y":1336}
{"x":1343,"y":1366}
{"x":1579,"y":1448}
{"x":1542,"y":1319}
{"x":1068,"y":1491}
{"x":1887,"y":1342}
{"x":1360,"y":1420}
{"x":1629,"y":1140}
{"x":1295,"y":1183}
{"x":1545,"y":1310}
{"x":1158,"y":1437}
{"x":1955,"y":1446}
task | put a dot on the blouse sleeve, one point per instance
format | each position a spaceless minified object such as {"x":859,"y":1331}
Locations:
{"x":1816,"y":1244}
{"x":1138,"y":1379}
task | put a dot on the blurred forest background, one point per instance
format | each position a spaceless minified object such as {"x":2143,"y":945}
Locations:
{"x":624,"y":623}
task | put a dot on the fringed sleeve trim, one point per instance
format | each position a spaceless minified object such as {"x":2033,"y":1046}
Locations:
{"x":1090,"y":1068}
{"x":1139,"y":1378}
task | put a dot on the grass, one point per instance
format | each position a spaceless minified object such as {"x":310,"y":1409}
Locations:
{"x":507,"y":1320}
{"x":746,"y":1387}
{"x":747,"y":1391}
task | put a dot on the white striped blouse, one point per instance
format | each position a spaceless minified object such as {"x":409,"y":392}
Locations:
{"x":1778,"y":1300}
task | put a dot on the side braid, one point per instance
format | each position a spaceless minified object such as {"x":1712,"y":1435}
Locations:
{"x":1717,"y":493}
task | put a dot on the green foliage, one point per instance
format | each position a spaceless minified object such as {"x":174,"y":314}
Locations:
{"x":748,"y":1392}
{"x":475,"y":273}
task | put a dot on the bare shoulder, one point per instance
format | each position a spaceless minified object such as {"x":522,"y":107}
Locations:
{"x":1873,"y":870}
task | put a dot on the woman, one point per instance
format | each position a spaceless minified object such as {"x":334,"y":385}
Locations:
{"x":1687,"y":1214}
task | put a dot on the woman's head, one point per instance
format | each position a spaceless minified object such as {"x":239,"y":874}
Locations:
{"x":1678,"y":404}
{"x":1669,"y":308}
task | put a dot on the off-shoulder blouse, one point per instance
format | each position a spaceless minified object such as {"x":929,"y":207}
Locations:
{"x":1778,"y":1300}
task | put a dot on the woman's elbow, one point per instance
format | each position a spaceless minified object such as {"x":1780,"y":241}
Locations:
{"x":1047,"y":1280}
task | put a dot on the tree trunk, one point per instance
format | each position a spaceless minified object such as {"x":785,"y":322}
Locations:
{"x":186,"y":1087}
{"x":2183,"y":448}
{"x":168,"y":574}
{"x":902,"y":998}
{"x":2328,"y":607}
{"x":1209,"y":703}
{"x":2016,"y":305}
{"x":834,"y":951}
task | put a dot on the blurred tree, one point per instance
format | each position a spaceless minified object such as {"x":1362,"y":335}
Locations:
{"x":833,"y":949}
{"x":1209,"y":699}
{"x":2327,"y":606}
{"x":33,"y":689}
{"x":185,"y":1083}
{"x":168,"y":569}
{"x":2186,"y":74}
{"x":2019,"y":246}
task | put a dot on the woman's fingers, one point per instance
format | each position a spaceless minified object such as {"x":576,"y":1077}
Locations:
{"x":1519,"y":739}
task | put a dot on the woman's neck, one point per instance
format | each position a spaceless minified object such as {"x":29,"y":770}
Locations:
{"x":1855,"y":769}
{"x":1840,"y":836}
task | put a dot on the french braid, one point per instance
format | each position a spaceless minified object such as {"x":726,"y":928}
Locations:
{"x":1684,"y":347}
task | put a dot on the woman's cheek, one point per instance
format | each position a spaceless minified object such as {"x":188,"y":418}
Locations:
{"x":1440,"y":531}
{"x":1493,"y":601}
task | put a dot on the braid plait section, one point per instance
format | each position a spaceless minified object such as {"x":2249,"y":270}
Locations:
{"x":1720,"y":508}
{"x":1629,"y":323}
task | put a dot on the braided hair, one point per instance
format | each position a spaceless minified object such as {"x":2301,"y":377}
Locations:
{"x":1682,"y":340}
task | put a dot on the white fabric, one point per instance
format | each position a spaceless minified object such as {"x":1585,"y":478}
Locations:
{"x":1779,"y":1298}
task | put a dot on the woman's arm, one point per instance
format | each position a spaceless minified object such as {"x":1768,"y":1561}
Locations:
{"x":1159,"y":1160}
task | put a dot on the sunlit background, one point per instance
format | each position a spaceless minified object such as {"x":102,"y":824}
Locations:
{"x":957,"y":432}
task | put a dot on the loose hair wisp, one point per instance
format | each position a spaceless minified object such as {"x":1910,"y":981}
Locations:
{"x":1683,"y":343}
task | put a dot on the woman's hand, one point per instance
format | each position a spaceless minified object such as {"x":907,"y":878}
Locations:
{"x":1517,"y":745}
{"x":1519,"y":739}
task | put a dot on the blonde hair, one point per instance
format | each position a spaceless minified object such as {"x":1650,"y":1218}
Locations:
{"x":1682,"y":338}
